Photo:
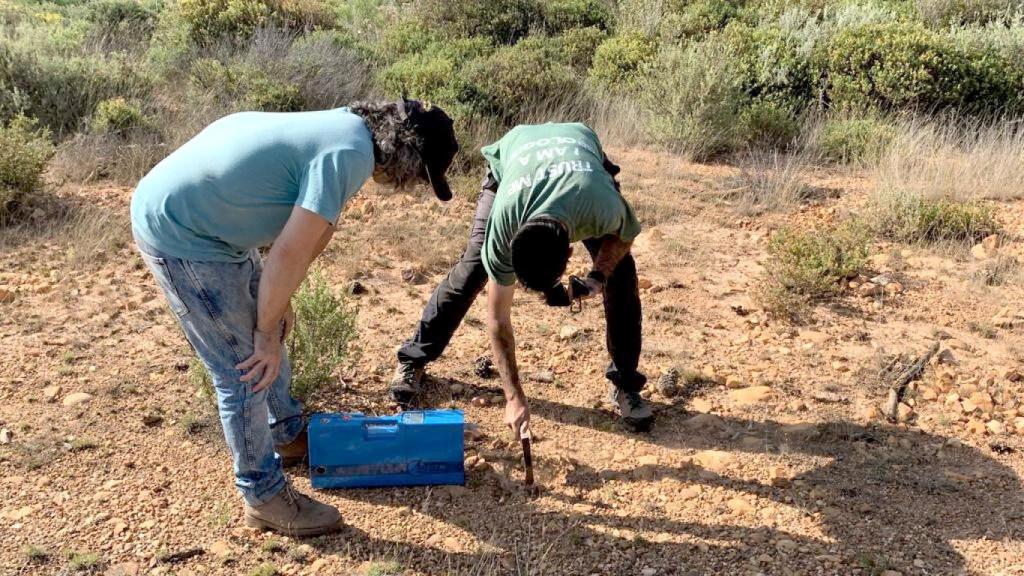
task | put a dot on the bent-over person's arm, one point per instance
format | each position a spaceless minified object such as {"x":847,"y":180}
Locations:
{"x":503,"y":345}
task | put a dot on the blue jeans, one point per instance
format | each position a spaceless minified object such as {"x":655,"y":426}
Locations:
{"x":215,"y":303}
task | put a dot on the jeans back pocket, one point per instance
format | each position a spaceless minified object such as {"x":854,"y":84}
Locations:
{"x":158,"y":266}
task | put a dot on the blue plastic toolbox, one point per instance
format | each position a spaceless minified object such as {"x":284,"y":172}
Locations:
{"x":408,"y":449}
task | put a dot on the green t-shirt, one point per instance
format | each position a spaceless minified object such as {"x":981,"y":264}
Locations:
{"x":556,"y":171}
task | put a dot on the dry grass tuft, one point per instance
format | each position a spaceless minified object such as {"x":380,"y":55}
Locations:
{"x":955,"y":159}
{"x":768,"y":181}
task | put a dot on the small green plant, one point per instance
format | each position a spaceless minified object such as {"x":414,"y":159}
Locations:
{"x":200,"y":379}
{"x":299,"y":554}
{"x":911,"y":217}
{"x":83,"y":444}
{"x":265,"y":570}
{"x":768,"y":125}
{"x":384,"y":568}
{"x":273,"y":546}
{"x":25,"y":149}
{"x":806,"y":266}
{"x":83,"y":561}
{"x":191,"y":424}
{"x":854,"y":141}
{"x":37,"y":555}
{"x":982,"y":328}
{"x":324,"y":326}
{"x":117,"y":116}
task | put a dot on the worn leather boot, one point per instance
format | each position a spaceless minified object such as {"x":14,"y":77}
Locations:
{"x":405,"y":384}
{"x":293,"y":514}
{"x":295,"y":452}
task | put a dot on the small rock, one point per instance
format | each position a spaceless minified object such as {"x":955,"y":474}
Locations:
{"x":668,"y":383}
{"x":76,"y":398}
{"x":894,"y":288}
{"x":151,"y":420}
{"x":648,"y":572}
{"x":983,"y":401}
{"x":904,"y":413}
{"x":6,"y":295}
{"x":787,"y":546}
{"x":777,"y":477}
{"x":644,"y":283}
{"x":479,"y":401}
{"x":50,"y":393}
{"x":6,"y":436}
{"x":827,"y":397}
{"x":979,"y":252}
{"x":701,"y":421}
{"x":568,"y":332}
{"x":714,"y":460}
{"x":701,"y":405}
{"x":1011,"y":374}
{"x":456,"y":389}
{"x":891,"y":573}
{"x":123,"y":569}
{"x":220,"y":549}
{"x":413,"y":276}
{"x":947,"y":357}
{"x":750,"y":395}
{"x":733,"y":382}
{"x":740,"y":507}
{"x":483,"y":367}
{"x":356,"y":288}
{"x":976,"y":426}
{"x":870,"y":289}
{"x":544,"y":377}
{"x":870,"y":413}
{"x":996,"y":427}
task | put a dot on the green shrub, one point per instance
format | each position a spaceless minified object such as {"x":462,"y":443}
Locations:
{"x":83,"y":561}
{"x":686,"y":20}
{"x":24,"y":150}
{"x":907,"y":66}
{"x":804,"y":266}
{"x":912,"y":217}
{"x":117,"y":116}
{"x":562,"y":15}
{"x":776,"y":63}
{"x":693,"y":98}
{"x":579,"y":45}
{"x":621,"y":62}
{"x":200,"y":378}
{"x":245,"y":87}
{"x":766,"y":124}
{"x":405,"y":37}
{"x":265,"y":569}
{"x":212,"y":20}
{"x":61,"y":91}
{"x":515,"y":78}
{"x":384,"y":568}
{"x":501,"y":21}
{"x":854,"y":141}
{"x":324,"y":326}
{"x":121,"y":23}
{"x":948,"y":13}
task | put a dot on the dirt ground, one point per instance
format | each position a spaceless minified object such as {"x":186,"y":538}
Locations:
{"x":777,"y":464}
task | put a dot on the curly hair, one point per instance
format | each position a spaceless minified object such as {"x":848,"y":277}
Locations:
{"x":395,"y":145}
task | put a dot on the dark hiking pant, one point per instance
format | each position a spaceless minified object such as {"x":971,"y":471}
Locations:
{"x":455,"y":294}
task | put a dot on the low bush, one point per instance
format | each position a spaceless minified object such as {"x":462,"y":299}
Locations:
{"x":501,"y":21}
{"x":324,"y":326}
{"x":562,"y":15}
{"x":776,"y":63}
{"x":915,"y":218}
{"x":693,"y":98}
{"x":25,"y":149}
{"x":947,"y":13}
{"x":244,"y":87}
{"x":854,"y":140}
{"x":516,"y":78}
{"x":806,"y":266}
{"x":688,"y":20}
{"x":621,"y":62}
{"x":117,"y":116}
{"x":907,"y":66}
{"x":579,"y":45}
{"x":121,"y":24}
{"x":768,"y":125}
{"x":209,"y":21}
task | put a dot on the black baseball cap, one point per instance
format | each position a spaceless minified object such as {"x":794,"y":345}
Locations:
{"x":437,"y":132}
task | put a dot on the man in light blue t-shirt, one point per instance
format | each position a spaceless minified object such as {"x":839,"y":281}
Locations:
{"x":251,"y":180}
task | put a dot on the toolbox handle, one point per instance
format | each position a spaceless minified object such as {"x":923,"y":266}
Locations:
{"x":380,"y":428}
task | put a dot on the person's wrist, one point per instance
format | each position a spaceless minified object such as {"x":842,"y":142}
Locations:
{"x":269,"y":334}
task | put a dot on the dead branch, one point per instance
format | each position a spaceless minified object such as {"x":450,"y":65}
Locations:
{"x":899,"y":385}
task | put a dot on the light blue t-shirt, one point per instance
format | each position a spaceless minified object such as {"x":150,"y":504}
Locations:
{"x":232,"y":187}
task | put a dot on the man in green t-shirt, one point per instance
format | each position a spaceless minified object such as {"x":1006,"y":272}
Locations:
{"x":548,"y":186}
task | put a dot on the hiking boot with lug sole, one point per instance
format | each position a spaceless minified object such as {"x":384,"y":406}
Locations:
{"x":294,"y":514}
{"x":405,"y":384}
{"x":636,"y":412}
{"x":295,"y":452}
